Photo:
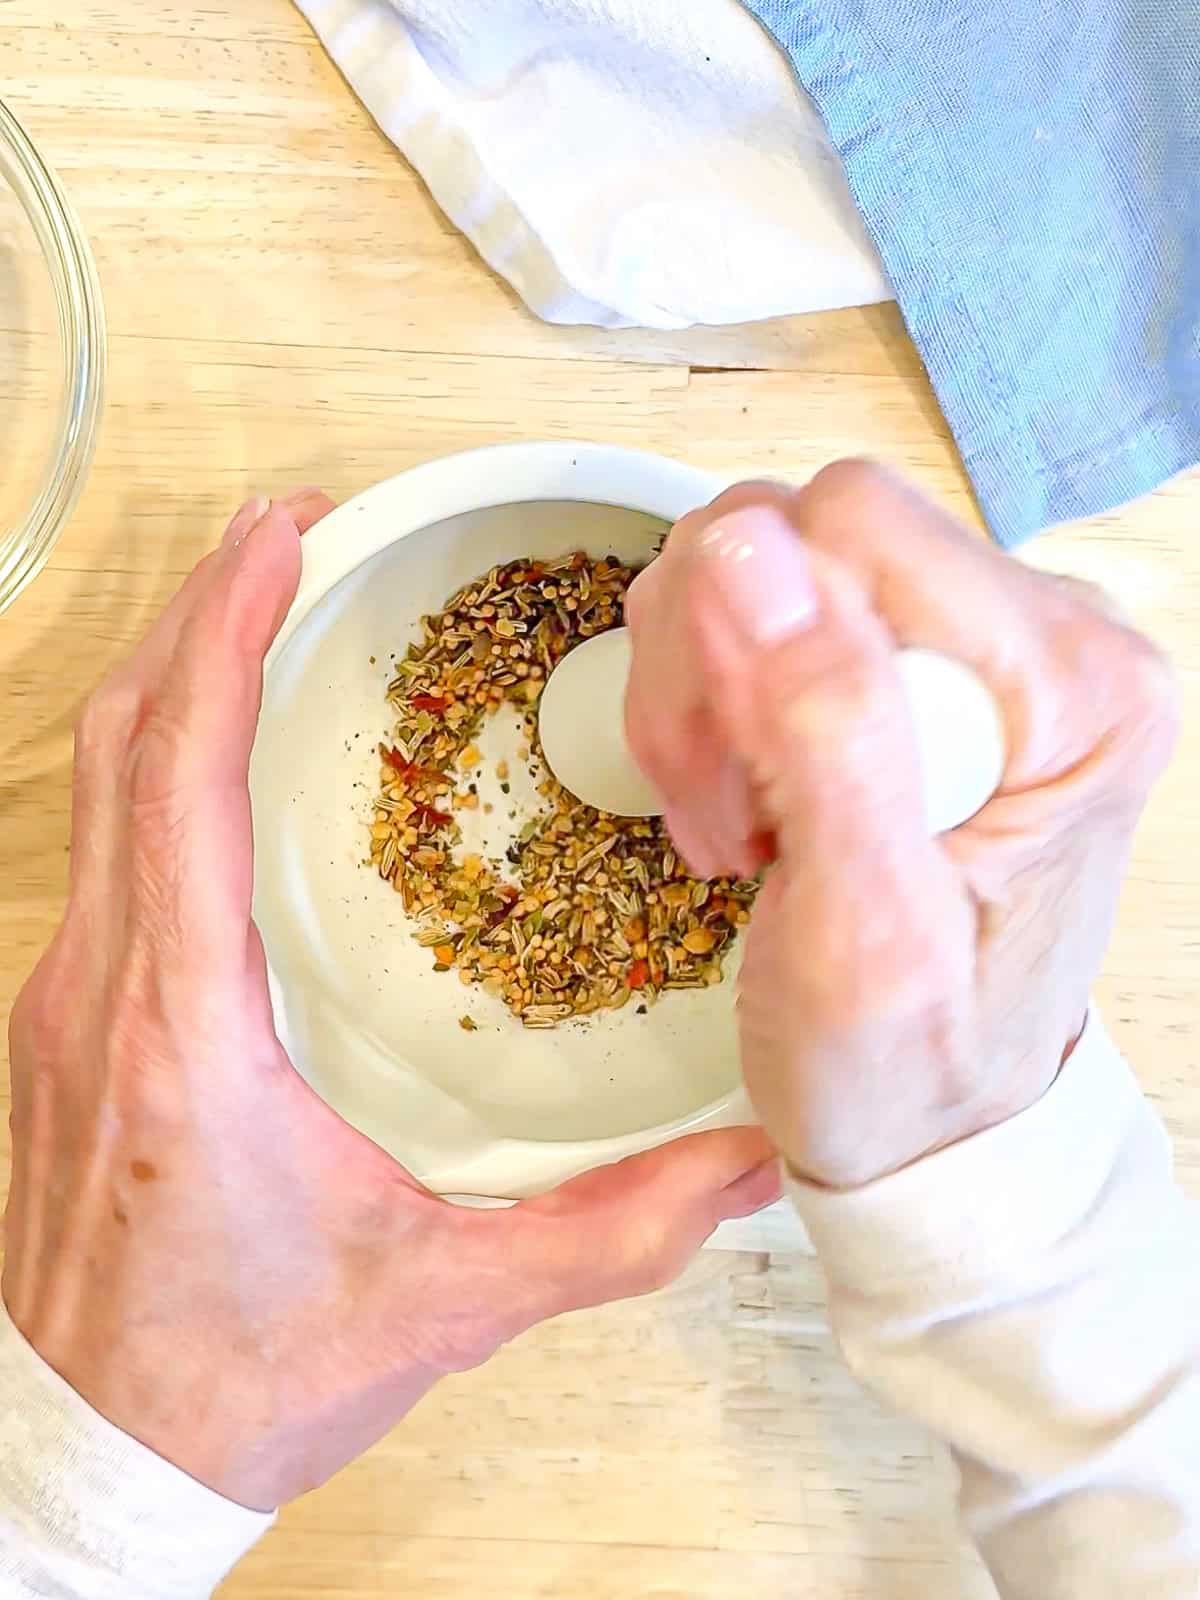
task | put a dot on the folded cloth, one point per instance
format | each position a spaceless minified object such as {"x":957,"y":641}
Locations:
{"x":620,"y":162}
{"x":1030,"y":174}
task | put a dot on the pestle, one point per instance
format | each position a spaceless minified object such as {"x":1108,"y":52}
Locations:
{"x":581,"y":720}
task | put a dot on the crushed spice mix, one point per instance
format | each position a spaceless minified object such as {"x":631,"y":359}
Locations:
{"x":588,"y":909}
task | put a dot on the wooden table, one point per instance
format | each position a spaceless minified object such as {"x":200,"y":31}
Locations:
{"x":287,"y":306}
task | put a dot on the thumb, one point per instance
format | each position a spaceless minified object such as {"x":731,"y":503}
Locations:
{"x":632,"y":1227}
{"x":804,"y":687}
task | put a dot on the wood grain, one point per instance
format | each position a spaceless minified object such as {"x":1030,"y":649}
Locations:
{"x":287,"y":306}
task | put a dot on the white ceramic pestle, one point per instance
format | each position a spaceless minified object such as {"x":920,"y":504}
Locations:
{"x":959,"y":731}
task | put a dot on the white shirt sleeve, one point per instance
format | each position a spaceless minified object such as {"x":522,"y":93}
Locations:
{"x":1033,"y":1296}
{"x":87,"y":1513}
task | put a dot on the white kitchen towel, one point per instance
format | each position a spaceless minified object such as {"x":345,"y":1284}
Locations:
{"x":620,"y":162}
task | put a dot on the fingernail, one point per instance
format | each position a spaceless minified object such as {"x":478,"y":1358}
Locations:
{"x":754,"y":1190}
{"x":297,"y":497}
{"x":250,"y":515}
{"x":759,"y":563}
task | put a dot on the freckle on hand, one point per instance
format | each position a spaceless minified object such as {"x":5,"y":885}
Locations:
{"x":143,"y":1171}
{"x":120,"y":1217}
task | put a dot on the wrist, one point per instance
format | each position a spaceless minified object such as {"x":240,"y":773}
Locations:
{"x":259,"y":1439}
{"x":1012,"y":1192}
{"x":263,"y":1468}
{"x":1013,"y":1091}
{"x":81,"y":1494}
{"x":261,"y":1456}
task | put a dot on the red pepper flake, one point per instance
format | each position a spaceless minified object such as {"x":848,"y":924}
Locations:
{"x":510,"y":896}
{"x":433,"y":819}
{"x":408,"y":769}
{"x":428,"y":702}
{"x":638,"y":975}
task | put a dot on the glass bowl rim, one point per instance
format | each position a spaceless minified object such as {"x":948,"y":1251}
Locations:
{"x":80,"y":308}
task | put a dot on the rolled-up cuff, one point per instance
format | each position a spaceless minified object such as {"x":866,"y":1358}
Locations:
{"x":967,"y":1212}
{"x":88,"y":1512}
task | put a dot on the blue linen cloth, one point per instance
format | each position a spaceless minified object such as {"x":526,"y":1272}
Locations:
{"x":1030,"y":173}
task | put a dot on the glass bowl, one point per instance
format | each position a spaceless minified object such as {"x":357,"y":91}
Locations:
{"x":52,"y":354}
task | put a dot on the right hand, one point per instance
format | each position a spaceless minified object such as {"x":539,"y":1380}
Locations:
{"x":898,"y":993}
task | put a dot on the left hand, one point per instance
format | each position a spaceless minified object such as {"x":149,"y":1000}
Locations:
{"x":203,"y":1249}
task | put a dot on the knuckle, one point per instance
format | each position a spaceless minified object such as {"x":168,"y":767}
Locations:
{"x":751,"y":491}
{"x":642,"y":597}
{"x":834,"y":696}
{"x":860,"y":693}
{"x":154,"y":774}
{"x":854,"y":482}
{"x":1091,"y":595}
{"x":1118,"y":687}
{"x":654,"y":1261}
{"x":1140,"y":684}
{"x":108,"y":718}
{"x":128,"y":1016}
{"x":640,"y":738}
{"x":38,"y":1023}
{"x":464,"y":1342}
{"x":1155,"y":702}
{"x":1154,"y":679}
{"x":23,"y":1021}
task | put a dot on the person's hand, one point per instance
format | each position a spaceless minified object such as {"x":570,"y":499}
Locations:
{"x":197,"y":1244}
{"x":898,"y":992}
